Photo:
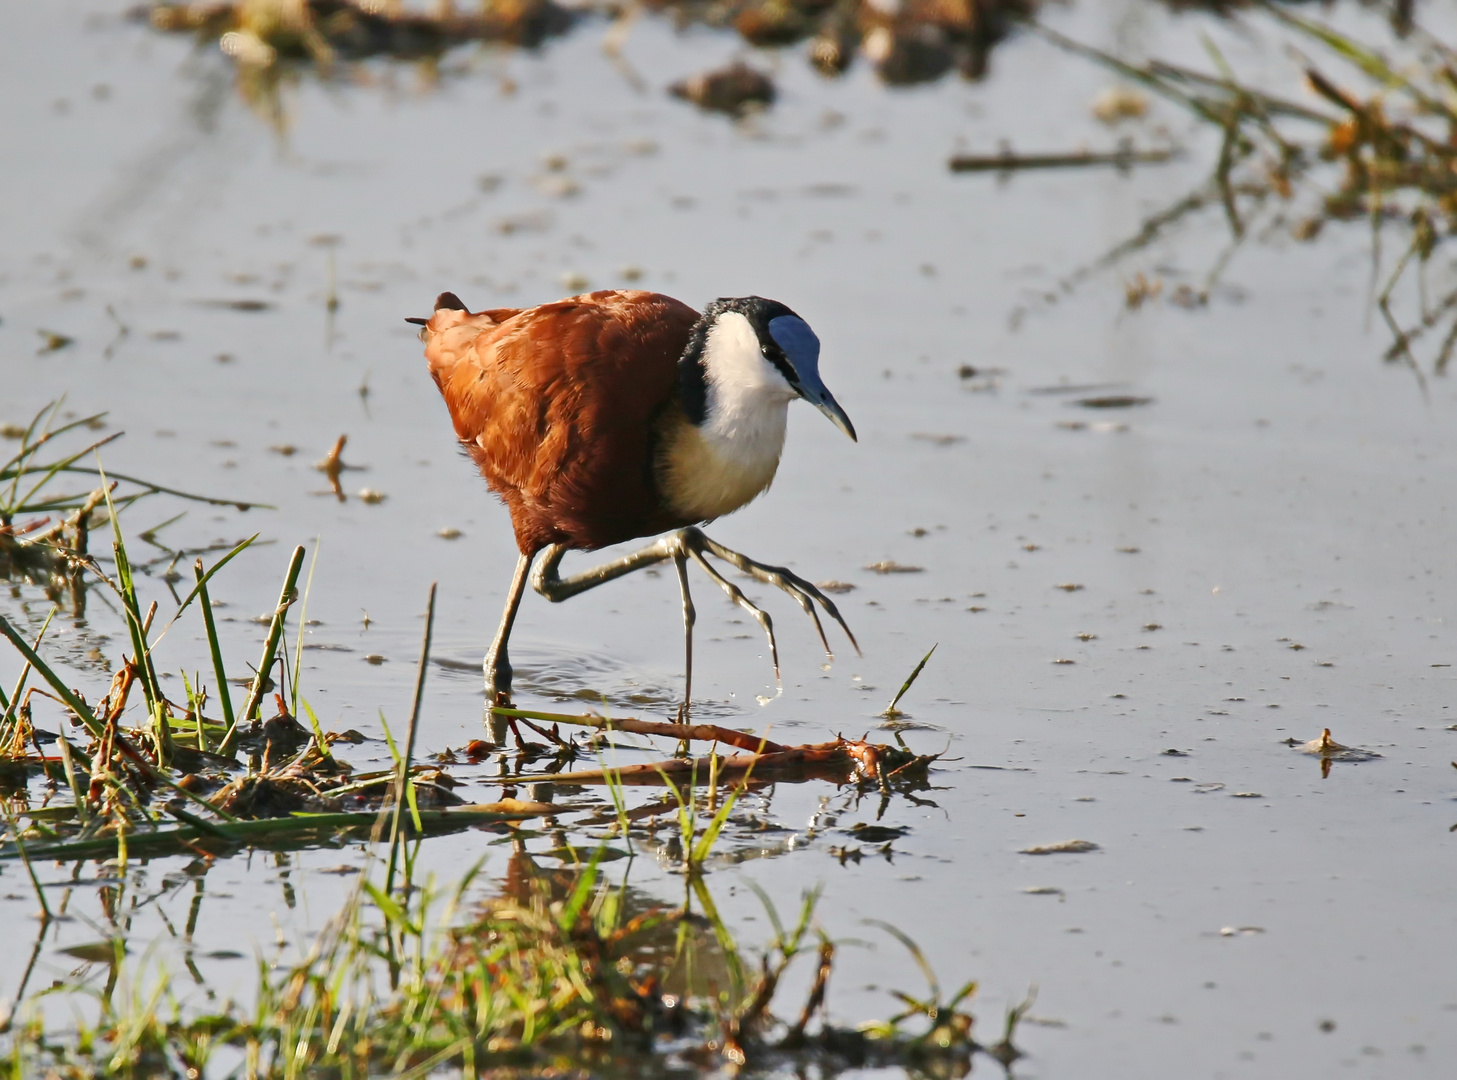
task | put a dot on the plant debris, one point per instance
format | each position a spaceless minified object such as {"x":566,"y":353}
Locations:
{"x":890,"y":566}
{"x":1066,"y":847}
{"x":1328,"y":750}
{"x":736,"y":89}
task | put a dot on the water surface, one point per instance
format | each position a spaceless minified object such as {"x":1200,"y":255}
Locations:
{"x":1259,"y":552}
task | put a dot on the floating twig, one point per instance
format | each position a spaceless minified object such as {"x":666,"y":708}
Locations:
{"x":744,"y":740}
{"x":1008,"y":161}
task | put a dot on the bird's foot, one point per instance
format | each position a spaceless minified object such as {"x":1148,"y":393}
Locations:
{"x":498,"y":727}
{"x":498,"y":695}
{"x":498,"y":671}
{"x":806,"y":594}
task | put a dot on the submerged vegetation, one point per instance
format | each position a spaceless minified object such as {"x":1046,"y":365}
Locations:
{"x":560,"y":970}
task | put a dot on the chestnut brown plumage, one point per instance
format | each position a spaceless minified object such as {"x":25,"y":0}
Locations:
{"x":616,"y":415}
{"x":557,"y":406}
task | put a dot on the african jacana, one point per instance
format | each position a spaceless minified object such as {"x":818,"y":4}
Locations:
{"x":623,"y":414}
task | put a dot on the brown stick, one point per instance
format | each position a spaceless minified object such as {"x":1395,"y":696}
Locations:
{"x":744,"y":740}
{"x":828,"y":760}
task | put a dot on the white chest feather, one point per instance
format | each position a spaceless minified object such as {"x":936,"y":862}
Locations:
{"x":713,"y":468}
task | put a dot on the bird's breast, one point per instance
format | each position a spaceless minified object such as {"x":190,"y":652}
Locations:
{"x":704,"y":472}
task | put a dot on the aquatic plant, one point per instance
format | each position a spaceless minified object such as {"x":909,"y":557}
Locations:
{"x":1380,"y":148}
{"x":558,"y":970}
{"x":45,"y":533}
{"x":555,"y":972}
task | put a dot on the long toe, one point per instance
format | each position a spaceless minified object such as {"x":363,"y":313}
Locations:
{"x":805,"y":593}
{"x":736,"y":594}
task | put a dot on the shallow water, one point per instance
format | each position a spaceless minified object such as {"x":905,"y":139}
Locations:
{"x":1282,"y":488}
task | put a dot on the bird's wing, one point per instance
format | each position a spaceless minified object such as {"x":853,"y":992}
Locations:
{"x":450,"y":337}
{"x":556,"y":404}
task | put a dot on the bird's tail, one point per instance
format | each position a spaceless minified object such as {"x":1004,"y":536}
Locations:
{"x":450,"y":332}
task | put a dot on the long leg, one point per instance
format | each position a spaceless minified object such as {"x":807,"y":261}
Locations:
{"x":680,"y":563}
{"x":497,"y":663}
{"x":680,"y":546}
{"x":556,"y":588}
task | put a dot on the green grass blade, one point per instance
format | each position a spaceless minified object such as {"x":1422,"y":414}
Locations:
{"x":916,"y":954}
{"x":303,"y":611}
{"x":1369,"y":61}
{"x":270,"y":651}
{"x":48,"y":472}
{"x":616,"y":792}
{"x":319,"y":740}
{"x":28,"y":449}
{"x":64,"y":692}
{"x":704,"y":847}
{"x":8,"y":706}
{"x":159,"y":489}
{"x":212,"y":639}
{"x":581,"y":891}
{"x":769,"y":910}
{"x":127,"y":589}
{"x":203,"y":579}
{"x":891,"y":710}
{"x":402,"y":782}
{"x":78,"y":793}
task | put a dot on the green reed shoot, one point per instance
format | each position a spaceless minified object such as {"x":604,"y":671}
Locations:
{"x":617,"y":793}
{"x":319,"y":738}
{"x":270,"y":650}
{"x":298,"y":648}
{"x":137,"y":627}
{"x":946,"y":1024}
{"x":78,"y":793}
{"x":63,"y":691}
{"x":9,"y":706}
{"x":891,"y":712}
{"x":214,"y":648}
{"x":403,"y":762}
{"x":23,"y":465}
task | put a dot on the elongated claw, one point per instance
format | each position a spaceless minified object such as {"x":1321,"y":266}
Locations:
{"x":736,"y":594}
{"x":781,"y":578}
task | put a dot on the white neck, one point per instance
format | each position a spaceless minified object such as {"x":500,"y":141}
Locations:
{"x":747,"y":398}
{"x":719,"y":465}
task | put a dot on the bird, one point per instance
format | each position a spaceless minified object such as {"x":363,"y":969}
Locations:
{"x":618,"y":415}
